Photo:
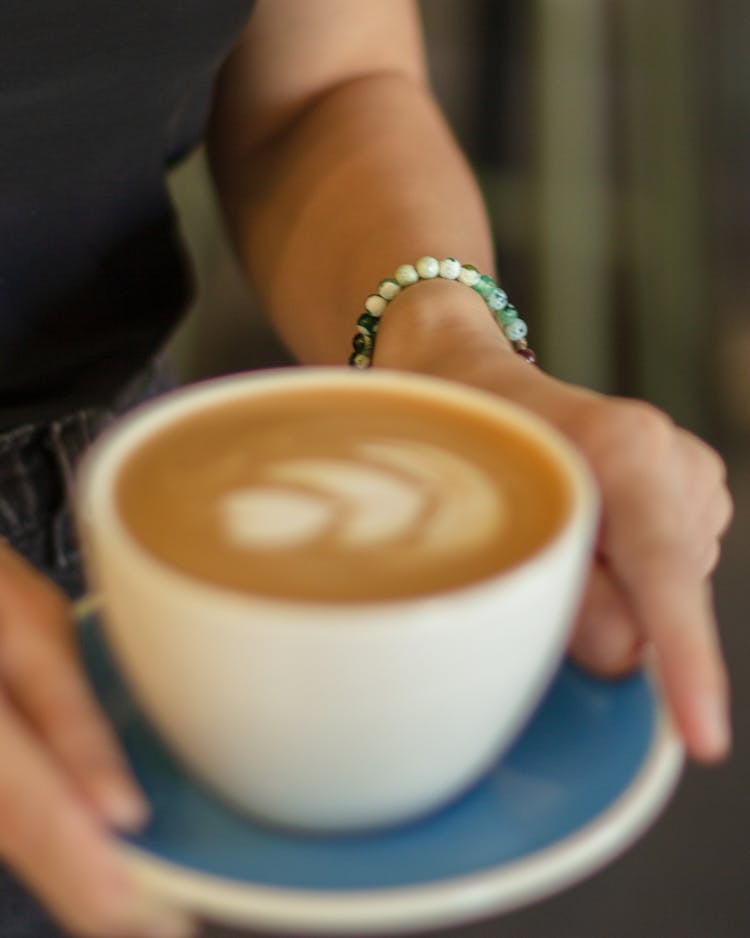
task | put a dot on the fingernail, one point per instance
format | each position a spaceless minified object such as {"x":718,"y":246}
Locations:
{"x":713,"y":727}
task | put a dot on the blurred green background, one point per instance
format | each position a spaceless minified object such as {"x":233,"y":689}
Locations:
{"x":613,"y":144}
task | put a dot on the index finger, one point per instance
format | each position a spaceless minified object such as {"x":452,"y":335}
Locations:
{"x":651,"y":558}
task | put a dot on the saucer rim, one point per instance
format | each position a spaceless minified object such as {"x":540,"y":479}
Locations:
{"x":439,"y":903}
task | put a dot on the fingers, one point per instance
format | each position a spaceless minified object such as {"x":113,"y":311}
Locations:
{"x":40,"y":673}
{"x":62,"y":775}
{"x":707,"y":504}
{"x":665,"y":507}
{"x":607,"y":637}
{"x":659,"y":555}
{"x":50,"y":838}
{"x":684,"y":637}
{"x":710,"y":524}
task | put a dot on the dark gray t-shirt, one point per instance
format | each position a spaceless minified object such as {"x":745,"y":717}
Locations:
{"x":97,"y":100}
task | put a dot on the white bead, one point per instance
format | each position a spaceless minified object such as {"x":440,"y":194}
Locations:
{"x":388,"y":289}
{"x":375,"y":304}
{"x":516,"y":330}
{"x":428,"y":267}
{"x":469,"y":276}
{"x":450,"y":268}
{"x":406,"y":274}
{"x":497,"y":299}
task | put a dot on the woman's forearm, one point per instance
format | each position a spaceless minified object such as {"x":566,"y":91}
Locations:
{"x":367,"y":177}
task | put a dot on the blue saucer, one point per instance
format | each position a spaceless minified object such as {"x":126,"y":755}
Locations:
{"x":593,"y":768}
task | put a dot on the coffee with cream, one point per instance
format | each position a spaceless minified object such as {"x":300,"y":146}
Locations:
{"x":319,"y":496}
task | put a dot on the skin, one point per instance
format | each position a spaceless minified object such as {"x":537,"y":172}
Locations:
{"x":334,"y":166}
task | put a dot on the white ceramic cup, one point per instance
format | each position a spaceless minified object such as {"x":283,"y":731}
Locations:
{"x":333,"y":716}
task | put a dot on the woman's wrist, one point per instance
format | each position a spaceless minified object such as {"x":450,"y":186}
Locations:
{"x":436,"y":322}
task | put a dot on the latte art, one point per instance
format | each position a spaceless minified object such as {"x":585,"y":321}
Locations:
{"x":390,"y":492}
{"x":340,"y":498}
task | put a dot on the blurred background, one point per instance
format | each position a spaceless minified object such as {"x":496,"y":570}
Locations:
{"x":612,"y":142}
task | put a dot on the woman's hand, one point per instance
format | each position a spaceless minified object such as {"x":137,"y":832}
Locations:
{"x":63,"y":780}
{"x":665,"y":506}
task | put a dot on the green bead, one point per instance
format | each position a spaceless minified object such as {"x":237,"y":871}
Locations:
{"x":517,"y":330}
{"x":363,"y":343}
{"x":368,"y":324}
{"x":497,"y":299}
{"x":468,"y":275}
{"x":358,"y":360}
{"x":485,"y":285}
{"x":507,"y":315}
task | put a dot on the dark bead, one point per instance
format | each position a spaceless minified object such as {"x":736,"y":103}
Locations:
{"x":369,"y":323}
{"x":362,"y":343}
{"x":528,"y":354}
{"x":360,"y":360}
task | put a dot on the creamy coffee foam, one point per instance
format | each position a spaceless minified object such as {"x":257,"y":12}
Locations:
{"x":391,"y":492}
{"x":331,"y":497}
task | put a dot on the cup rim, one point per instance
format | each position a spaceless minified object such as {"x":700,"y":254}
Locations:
{"x":99,"y":466}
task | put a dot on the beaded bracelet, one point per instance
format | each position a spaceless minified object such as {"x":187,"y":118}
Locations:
{"x":428,"y":268}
